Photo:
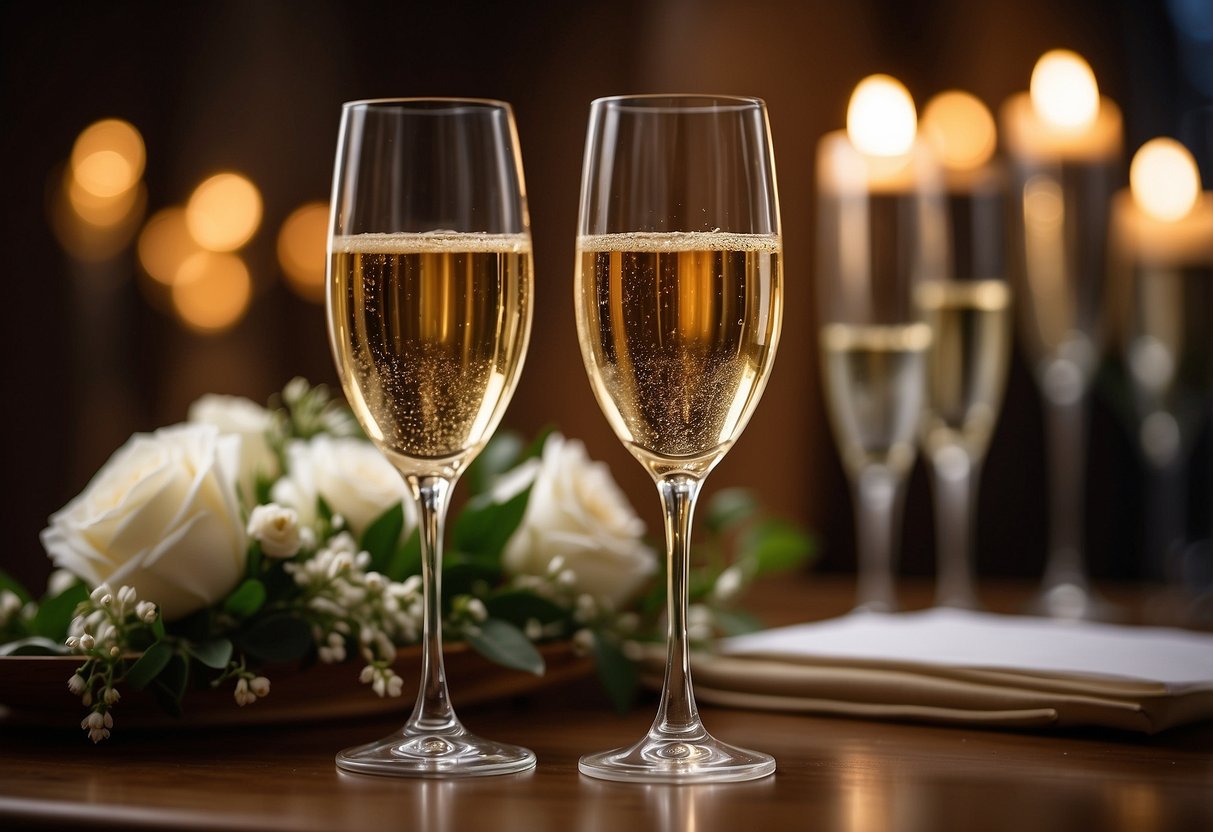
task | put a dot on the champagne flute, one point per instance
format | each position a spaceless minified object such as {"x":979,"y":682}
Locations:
{"x":968,"y":310}
{"x":881,"y":233}
{"x":679,"y":302}
{"x":429,"y":312}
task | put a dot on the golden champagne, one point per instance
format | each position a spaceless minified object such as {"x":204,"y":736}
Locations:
{"x":678,"y":332}
{"x":967,"y":363}
{"x":875,"y":381}
{"x":429,"y":332}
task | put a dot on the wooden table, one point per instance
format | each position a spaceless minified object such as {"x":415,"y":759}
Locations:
{"x":834,"y":774}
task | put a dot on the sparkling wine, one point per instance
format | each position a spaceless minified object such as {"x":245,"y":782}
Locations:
{"x":875,"y":378}
{"x":678,"y":332}
{"x":967,"y":362}
{"x":429,"y":334}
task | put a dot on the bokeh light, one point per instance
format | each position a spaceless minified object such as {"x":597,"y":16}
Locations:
{"x":1063,"y":90}
{"x":223,"y":212}
{"x":881,"y":120}
{"x":301,"y":249}
{"x":164,"y":244}
{"x":211,"y":291}
{"x":960,"y":130}
{"x":1164,"y":179}
{"x":108,"y":158}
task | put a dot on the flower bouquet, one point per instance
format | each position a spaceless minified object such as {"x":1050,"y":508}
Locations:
{"x":210,"y":552}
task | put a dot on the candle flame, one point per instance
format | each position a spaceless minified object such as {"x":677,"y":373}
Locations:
{"x":1064,"y":92}
{"x":223,"y":212}
{"x":881,"y":119}
{"x":1164,"y":180}
{"x":959,"y":129}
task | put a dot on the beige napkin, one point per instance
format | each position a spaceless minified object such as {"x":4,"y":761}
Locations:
{"x":952,"y":666}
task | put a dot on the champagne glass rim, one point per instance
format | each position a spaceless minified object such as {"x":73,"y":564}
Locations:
{"x":680,"y":103}
{"x":439,"y":105}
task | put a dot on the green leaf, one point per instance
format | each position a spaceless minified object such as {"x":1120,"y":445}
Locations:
{"x":406,"y":560}
{"x":252,"y":565}
{"x":323,"y":513}
{"x":499,"y":456}
{"x":276,"y":638}
{"x":149,"y":665}
{"x":55,"y":614}
{"x":484,"y":527}
{"x":382,"y":537}
{"x":736,"y":622}
{"x":33,"y":646}
{"x":519,"y":606}
{"x":215,"y":653}
{"x":503,"y":643}
{"x":158,"y":626}
{"x":617,"y":674}
{"x":14,"y":586}
{"x":246,"y":599}
{"x":729,"y":508}
{"x":776,"y":545}
{"x":170,"y":685}
{"x":535,"y":449}
{"x":463,"y":577}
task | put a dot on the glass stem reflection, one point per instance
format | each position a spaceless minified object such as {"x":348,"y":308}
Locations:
{"x":1065,"y":433}
{"x":677,"y":713}
{"x":954,"y":479}
{"x":878,"y":501}
{"x":433,"y":713}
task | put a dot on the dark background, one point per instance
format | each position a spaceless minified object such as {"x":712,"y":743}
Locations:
{"x":257,"y":86}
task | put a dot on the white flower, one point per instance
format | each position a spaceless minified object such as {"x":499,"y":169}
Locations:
{"x":243,"y":695}
{"x":277,"y":530}
{"x":76,"y":684}
{"x":145,"y":611}
{"x":578,"y":526}
{"x":10,"y":606}
{"x":260,"y":686}
{"x":356,"y":481}
{"x":98,"y":726}
{"x":160,"y":516}
{"x":251,"y":422}
{"x":112,"y":696}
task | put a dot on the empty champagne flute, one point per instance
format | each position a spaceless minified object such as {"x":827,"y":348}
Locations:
{"x":881,"y":234}
{"x":968,"y":310}
{"x":429,"y":312}
{"x":679,"y":301}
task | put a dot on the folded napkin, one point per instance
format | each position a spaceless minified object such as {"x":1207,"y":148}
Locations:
{"x":955,"y":666}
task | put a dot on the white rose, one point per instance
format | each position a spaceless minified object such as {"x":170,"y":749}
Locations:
{"x":160,"y":516}
{"x":251,"y":422}
{"x":276,"y":529}
{"x":577,"y":513}
{"x":352,"y":476}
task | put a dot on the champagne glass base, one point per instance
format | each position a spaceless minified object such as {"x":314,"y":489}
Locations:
{"x":1072,"y":601}
{"x":678,"y":760}
{"x":457,"y":754}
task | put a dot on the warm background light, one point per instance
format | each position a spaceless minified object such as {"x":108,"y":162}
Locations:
{"x":108,"y":158}
{"x":959,"y":129}
{"x":301,"y":249}
{"x":211,"y":291}
{"x":1164,"y":179}
{"x":102,"y":212}
{"x":164,"y":244}
{"x":881,"y":120}
{"x":224,"y":212}
{"x":1064,"y":91}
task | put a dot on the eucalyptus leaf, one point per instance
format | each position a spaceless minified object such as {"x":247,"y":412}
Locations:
{"x":246,"y":599}
{"x":382,"y":536}
{"x":460,"y":577}
{"x":503,"y":643}
{"x":616,"y":672}
{"x":519,"y":606}
{"x":729,"y":508}
{"x":149,"y":665}
{"x":215,"y":653}
{"x":776,"y":545}
{"x":33,"y":646}
{"x":484,"y":527}
{"x":14,"y":586}
{"x":55,"y":614}
{"x":276,"y":638}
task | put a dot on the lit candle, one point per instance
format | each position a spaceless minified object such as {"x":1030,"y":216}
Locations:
{"x":1062,"y":116}
{"x":878,"y":149}
{"x":961,"y":133}
{"x":1163,"y":219}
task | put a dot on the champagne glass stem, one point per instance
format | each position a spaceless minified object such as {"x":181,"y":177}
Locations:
{"x":677,"y":714}
{"x":878,"y":499}
{"x":1066,"y":434}
{"x":954,"y":477}
{"x":433,"y":713}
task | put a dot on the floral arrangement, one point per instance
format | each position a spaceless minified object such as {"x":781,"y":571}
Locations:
{"x":209,"y":551}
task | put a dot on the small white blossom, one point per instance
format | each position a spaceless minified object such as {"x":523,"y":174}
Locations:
{"x":10,"y":606}
{"x":367,"y":674}
{"x":98,"y":726}
{"x":476,"y":610}
{"x":145,"y":611}
{"x":277,"y":529}
{"x":533,"y":629}
{"x":76,"y":684}
{"x":87,"y":642}
{"x":98,"y":594}
{"x":728,"y":583}
{"x":260,"y":686}
{"x":126,"y":597}
{"x":112,"y":696}
{"x":583,"y":642}
{"x":243,"y":695}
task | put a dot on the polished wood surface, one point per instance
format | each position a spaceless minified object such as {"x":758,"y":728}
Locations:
{"x":833,"y":773}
